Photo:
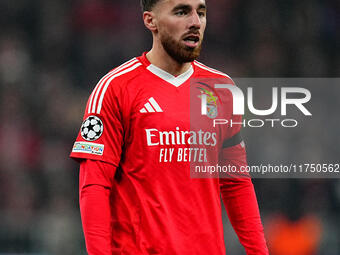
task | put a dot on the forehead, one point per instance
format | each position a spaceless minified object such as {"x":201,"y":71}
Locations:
{"x":169,"y":4}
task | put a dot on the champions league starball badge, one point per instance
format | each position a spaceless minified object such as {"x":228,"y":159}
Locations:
{"x":92,"y":128}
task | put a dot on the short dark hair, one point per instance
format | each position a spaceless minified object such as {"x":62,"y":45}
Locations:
{"x":147,"y":5}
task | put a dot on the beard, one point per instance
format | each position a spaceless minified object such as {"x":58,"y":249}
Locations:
{"x":178,"y":51}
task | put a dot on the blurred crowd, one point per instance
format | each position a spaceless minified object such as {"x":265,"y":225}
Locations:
{"x":52,"y":53}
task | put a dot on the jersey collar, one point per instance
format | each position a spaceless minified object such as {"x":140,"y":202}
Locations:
{"x":174,"y":80}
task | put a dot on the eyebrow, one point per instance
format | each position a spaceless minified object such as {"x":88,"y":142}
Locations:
{"x":187,"y":7}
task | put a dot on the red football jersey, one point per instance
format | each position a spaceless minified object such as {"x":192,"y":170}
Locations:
{"x":138,"y":118}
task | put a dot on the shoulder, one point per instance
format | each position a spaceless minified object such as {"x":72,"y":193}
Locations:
{"x":124,"y":72}
{"x":205,"y":71}
{"x":112,"y":84}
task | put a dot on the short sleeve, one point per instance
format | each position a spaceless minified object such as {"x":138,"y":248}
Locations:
{"x":101,"y":134}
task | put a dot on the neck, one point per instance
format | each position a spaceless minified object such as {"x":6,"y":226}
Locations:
{"x":160,"y":58}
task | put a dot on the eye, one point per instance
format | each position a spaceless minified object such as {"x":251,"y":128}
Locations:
{"x":180,"y":13}
{"x":201,"y":14}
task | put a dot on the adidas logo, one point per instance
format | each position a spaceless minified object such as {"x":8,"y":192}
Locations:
{"x":151,"y":106}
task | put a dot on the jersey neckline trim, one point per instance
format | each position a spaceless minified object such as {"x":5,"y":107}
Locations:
{"x":176,"y":81}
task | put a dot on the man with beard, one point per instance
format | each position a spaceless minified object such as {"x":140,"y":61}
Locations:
{"x":135,"y":189}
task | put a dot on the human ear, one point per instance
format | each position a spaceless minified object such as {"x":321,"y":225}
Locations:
{"x":150,"y":21}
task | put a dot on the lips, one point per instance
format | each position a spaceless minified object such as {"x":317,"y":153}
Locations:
{"x":191,"y":40}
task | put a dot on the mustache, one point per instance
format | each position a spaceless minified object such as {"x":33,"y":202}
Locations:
{"x":192,"y":32}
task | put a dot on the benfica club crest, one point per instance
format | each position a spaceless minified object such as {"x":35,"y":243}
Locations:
{"x":211,"y":100}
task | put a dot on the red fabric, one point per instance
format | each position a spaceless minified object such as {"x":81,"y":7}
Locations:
{"x":240,"y":201}
{"x":95,"y":183}
{"x":155,"y":206}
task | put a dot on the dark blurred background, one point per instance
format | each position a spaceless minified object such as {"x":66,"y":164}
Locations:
{"x":52,"y":53}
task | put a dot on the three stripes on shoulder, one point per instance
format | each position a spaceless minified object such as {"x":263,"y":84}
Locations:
{"x":97,"y":96}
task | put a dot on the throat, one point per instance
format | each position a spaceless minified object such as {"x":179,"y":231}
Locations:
{"x":168,"y":64}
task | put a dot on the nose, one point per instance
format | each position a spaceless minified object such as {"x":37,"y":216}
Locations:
{"x":195,"y":21}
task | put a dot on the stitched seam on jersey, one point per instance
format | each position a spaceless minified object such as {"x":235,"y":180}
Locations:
{"x":94,"y":95}
{"x":210,"y":69}
{"x":100,"y":102}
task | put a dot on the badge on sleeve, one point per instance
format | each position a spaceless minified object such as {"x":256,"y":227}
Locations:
{"x":92,"y":128}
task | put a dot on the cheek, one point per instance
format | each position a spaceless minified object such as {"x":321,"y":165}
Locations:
{"x":171,"y":27}
{"x":203,"y":25}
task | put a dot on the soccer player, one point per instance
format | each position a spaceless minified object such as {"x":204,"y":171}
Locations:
{"x":135,"y":150}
